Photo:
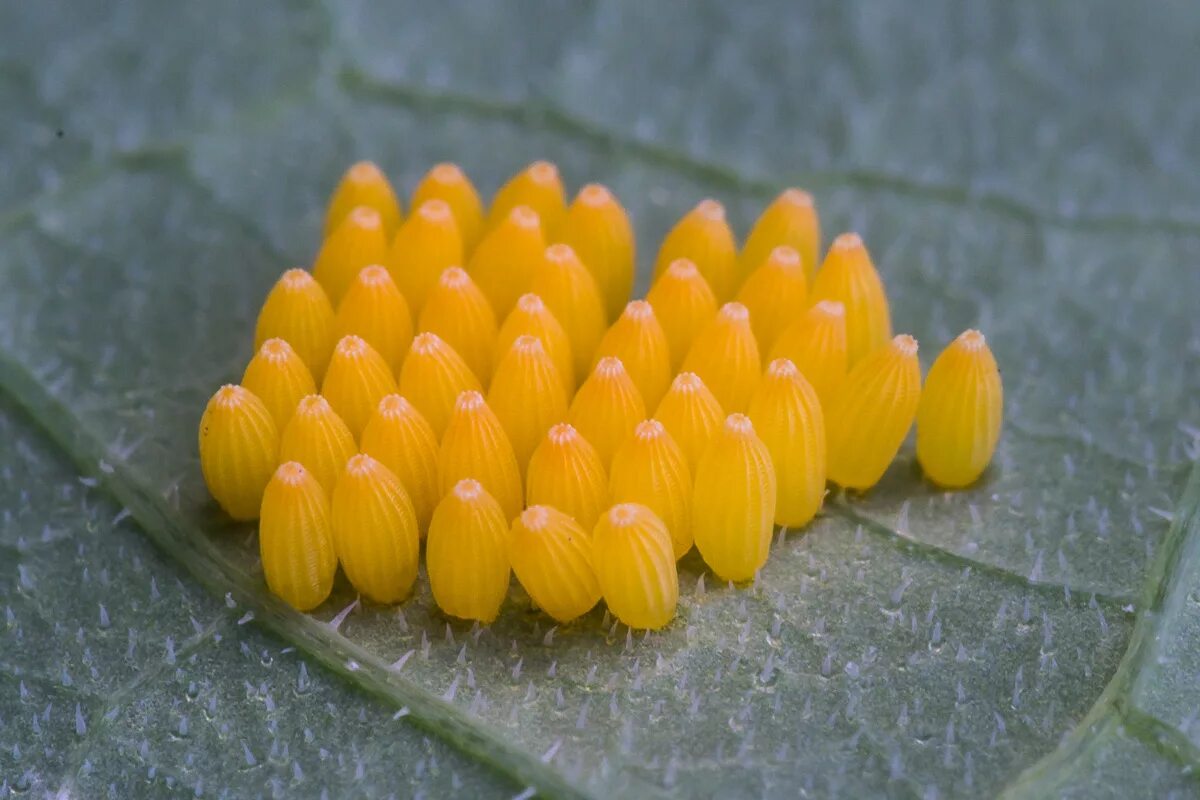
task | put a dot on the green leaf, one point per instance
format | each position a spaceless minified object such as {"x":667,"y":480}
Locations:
{"x":1030,"y":169}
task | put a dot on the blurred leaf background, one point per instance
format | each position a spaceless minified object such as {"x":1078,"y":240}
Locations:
{"x":1029,"y":168}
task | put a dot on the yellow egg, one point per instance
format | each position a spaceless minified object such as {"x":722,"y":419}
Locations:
{"x":635,"y":566}
{"x":457,"y":311}
{"x":552,"y":558}
{"x":402,"y":440}
{"x":527,"y":396}
{"x":423,"y":248}
{"x":816,"y":344}
{"x":298,"y":311}
{"x":598,"y":229}
{"x":432,"y":378}
{"x":467,"y":553}
{"x":684,"y":304}
{"x":791,"y":219}
{"x":703,"y":236}
{"x":607,"y":407}
{"x":639,"y":341}
{"x":364,"y":184}
{"x":958,"y":421}
{"x":650,"y":468}
{"x":239,"y":444}
{"x":849,"y":277}
{"x":734,"y":501}
{"x":788,"y":419}
{"x":375,"y":310}
{"x":358,"y":241}
{"x":565,"y":472}
{"x":476,"y":446}
{"x":448,"y":183}
{"x":775,"y":293}
{"x":872,"y":412}
{"x":357,"y":379}
{"x":317,"y":437}
{"x":295,"y":538}
{"x":375,"y":531}
{"x":538,"y":186}
{"x":503,"y":263}
{"x":725,"y":356}
{"x":690,"y":414}
{"x":530,"y":317}
{"x":571,"y":294}
{"x":277,"y":376}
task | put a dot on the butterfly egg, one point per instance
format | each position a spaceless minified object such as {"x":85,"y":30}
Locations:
{"x":872,"y":412}
{"x":734,"y":501}
{"x":635,"y":566}
{"x":725,"y":356}
{"x":467,"y":553}
{"x":849,"y":277}
{"x":364,"y":184}
{"x":375,"y":310}
{"x":425,"y":245}
{"x":375,"y":531}
{"x":457,"y":311}
{"x":683,"y":304}
{"x":295,"y":538}
{"x":597,"y":228}
{"x":566,"y":472}
{"x":639,"y":341}
{"x":476,"y":446}
{"x":530,"y":317}
{"x":398,"y":437}
{"x":449,"y":184}
{"x":357,"y":379}
{"x":317,"y":437}
{"x":432,"y":378}
{"x":775,"y":294}
{"x":503,"y":263}
{"x":277,"y":376}
{"x":552,"y":558}
{"x":816,"y":344}
{"x":651,"y":469}
{"x":958,"y":420}
{"x":791,"y":219}
{"x":358,"y":241}
{"x":607,"y":407}
{"x":691,"y":414}
{"x":527,"y":396}
{"x":538,"y":186}
{"x":239,"y":443}
{"x":571,"y":294}
{"x":703,"y":236}
{"x":788,"y":419}
{"x":298,"y":311}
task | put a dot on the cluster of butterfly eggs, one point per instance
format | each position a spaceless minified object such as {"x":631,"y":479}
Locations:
{"x":613,"y":435}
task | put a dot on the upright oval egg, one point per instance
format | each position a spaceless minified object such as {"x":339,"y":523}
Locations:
{"x":427,"y":244}
{"x":552,"y":558}
{"x":649,"y":468}
{"x":295,"y":538}
{"x":298,"y":311}
{"x":725,"y":355}
{"x":317,"y":437}
{"x":691,"y":414}
{"x":775,"y":292}
{"x":791,"y":219}
{"x":635,"y":566}
{"x":639,"y":341}
{"x":375,"y":530}
{"x":734,"y":502}
{"x":849,"y":277}
{"x":703,"y":236}
{"x":958,"y":420}
{"x":684,"y":304}
{"x":375,"y":310}
{"x":239,"y":444}
{"x":788,"y":419}
{"x":457,"y":311}
{"x":476,"y":446}
{"x":527,"y":396}
{"x":467,"y":553}
{"x":598,"y":229}
{"x":277,"y":376}
{"x":571,"y":294}
{"x":363,"y":184}
{"x":539,"y":186}
{"x":357,"y":379}
{"x":872,"y":413}
{"x":531,"y":317}
{"x":503,"y":263}
{"x":432,"y":378}
{"x":358,"y":241}
{"x":816,"y":344}
{"x":566,"y":472}
{"x":448,"y":183}
{"x":402,"y":440}
{"x":607,"y":407}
